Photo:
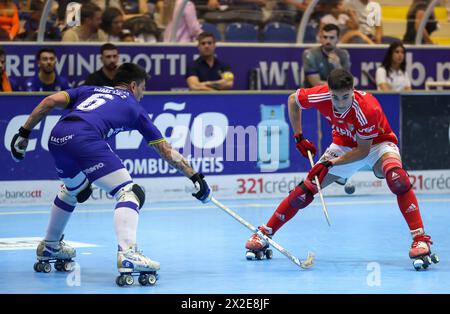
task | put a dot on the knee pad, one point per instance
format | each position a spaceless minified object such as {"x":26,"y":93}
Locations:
{"x":398,"y":181}
{"x":300,"y":197}
{"x":131,"y":193}
{"x":84,"y":194}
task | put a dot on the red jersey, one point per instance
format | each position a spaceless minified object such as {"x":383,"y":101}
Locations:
{"x":364,"y":118}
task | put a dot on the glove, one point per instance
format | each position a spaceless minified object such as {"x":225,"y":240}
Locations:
{"x":320,"y":170}
{"x":303,"y":145}
{"x":19,"y":144}
{"x":204,"y":193}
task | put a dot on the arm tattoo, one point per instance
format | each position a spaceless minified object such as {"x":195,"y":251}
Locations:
{"x":174,"y":158}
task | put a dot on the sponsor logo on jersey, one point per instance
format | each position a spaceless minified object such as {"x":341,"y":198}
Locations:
{"x":367,"y":130}
{"x":343,"y":131}
{"x":350,"y":127}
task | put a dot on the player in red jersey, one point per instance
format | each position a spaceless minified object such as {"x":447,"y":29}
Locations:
{"x":361,"y":136}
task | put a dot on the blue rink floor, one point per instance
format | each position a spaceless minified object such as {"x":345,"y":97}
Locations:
{"x":201,"y":249}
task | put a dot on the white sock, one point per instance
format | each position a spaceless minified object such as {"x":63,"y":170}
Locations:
{"x":125,"y":223}
{"x":58,"y":221}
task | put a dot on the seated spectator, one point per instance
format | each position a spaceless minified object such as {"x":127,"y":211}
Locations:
{"x":369,"y":18}
{"x":414,"y":18}
{"x":127,"y":36}
{"x":318,"y":62}
{"x":9,"y":20}
{"x":392,"y":75}
{"x":207,"y":72}
{"x":143,"y":28}
{"x":89,"y":30}
{"x":345,"y":19}
{"x":112,"y":23}
{"x":31,"y":27}
{"x":46,"y":79}
{"x":189,"y":27}
{"x":6,"y":84}
{"x":110,"y":59}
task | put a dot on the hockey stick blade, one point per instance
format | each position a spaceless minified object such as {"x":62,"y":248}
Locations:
{"x":308,"y":263}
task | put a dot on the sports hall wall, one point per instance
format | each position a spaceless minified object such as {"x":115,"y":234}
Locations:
{"x":241,"y":140}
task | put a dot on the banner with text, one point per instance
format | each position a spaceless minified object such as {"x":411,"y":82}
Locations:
{"x":279,"y":65}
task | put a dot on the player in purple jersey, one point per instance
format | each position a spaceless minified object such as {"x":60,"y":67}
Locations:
{"x":82,"y":156}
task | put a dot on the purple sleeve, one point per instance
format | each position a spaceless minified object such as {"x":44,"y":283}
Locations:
{"x":146,"y":127}
{"x":72,"y":94}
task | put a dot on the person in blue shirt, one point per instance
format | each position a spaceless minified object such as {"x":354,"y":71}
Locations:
{"x":46,"y":79}
{"x":82,"y":156}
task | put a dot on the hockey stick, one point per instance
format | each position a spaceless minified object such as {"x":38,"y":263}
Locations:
{"x":324,"y":206}
{"x":309,"y":262}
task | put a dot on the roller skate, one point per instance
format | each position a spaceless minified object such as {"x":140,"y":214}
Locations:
{"x":420,"y":252}
{"x":133,"y":263}
{"x":54,"y":252}
{"x":257,"y":247}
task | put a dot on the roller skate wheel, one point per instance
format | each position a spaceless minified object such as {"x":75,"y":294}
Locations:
{"x":120,"y":281}
{"x":68,"y":266}
{"x":47,"y":268}
{"x":426,"y":261}
{"x":151,"y":279}
{"x":250,"y":255}
{"x":36,"y":267}
{"x":434,"y":258}
{"x":269,"y":254}
{"x":143,"y":279}
{"x":418,"y":263}
{"x":129,"y":280}
{"x":259,"y":255}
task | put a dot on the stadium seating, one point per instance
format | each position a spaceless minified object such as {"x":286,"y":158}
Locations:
{"x":279,"y":32}
{"x":241,"y":32}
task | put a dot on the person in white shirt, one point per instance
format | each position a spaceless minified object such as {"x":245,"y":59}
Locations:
{"x":369,"y":16}
{"x":392,"y":75}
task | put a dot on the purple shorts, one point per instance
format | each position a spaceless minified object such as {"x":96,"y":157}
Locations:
{"x":76,"y":146}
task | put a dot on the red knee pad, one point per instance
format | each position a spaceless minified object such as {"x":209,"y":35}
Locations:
{"x":398,"y":181}
{"x":300,"y":197}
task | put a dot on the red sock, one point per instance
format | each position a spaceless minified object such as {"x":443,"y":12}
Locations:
{"x":410,"y":210}
{"x":283,"y":214}
{"x":298,"y":198}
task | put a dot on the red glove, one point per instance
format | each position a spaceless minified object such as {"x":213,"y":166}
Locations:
{"x":320,"y":170}
{"x":303,"y":145}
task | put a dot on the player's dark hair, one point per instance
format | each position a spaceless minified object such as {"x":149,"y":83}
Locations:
{"x":387,"y":62}
{"x":42,"y":50}
{"x":88,"y":10}
{"x":129,"y":72}
{"x":340,"y":79}
{"x":331,"y":27}
{"x":108,"y":46}
{"x":204,"y":35}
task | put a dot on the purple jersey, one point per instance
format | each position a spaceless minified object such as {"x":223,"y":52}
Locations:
{"x":35,"y":84}
{"x":110,"y":111}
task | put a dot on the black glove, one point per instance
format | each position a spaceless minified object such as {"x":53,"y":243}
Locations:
{"x":19,"y":144}
{"x":204,"y":192}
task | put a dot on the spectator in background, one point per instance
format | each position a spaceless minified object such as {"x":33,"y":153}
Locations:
{"x":345,"y":19}
{"x":369,"y":17}
{"x":110,"y":60}
{"x":46,"y":79}
{"x":127,"y":36}
{"x":414,"y":18}
{"x":207,"y":72}
{"x":112,"y":23}
{"x":318,"y":62}
{"x":52,"y":32}
{"x":9,"y":20}
{"x":5,"y":85}
{"x":89,"y":30}
{"x":189,"y":27}
{"x":392,"y":75}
